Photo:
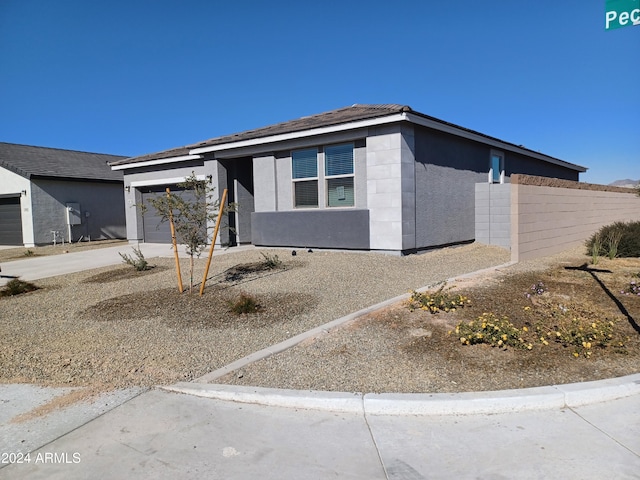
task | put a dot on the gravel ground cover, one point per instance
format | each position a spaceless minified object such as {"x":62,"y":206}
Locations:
{"x":114,"y":327}
{"x":398,"y":350}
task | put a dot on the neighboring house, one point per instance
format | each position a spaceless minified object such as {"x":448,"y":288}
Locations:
{"x":369,"y":177}
{"x":48,"y":194}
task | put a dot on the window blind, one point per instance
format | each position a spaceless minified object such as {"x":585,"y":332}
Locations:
{"x":339,"y":160}
{"x":306,"y":193}
{"x":305,"y":163}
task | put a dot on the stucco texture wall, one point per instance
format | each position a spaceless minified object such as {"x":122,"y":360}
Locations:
{"x":447,"y":169}
{"x":104,"y":203}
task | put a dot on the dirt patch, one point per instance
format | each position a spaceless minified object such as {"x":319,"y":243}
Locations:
{"x":123,"y":273}
{"x":61,"y":401}
{"x":184,"y":310}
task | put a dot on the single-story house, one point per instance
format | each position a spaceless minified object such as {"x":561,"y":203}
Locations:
{"x":366,"y":177}
{"x":51,"y":195}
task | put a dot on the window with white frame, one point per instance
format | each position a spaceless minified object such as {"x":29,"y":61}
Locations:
{"x":304,"y":171}
{"x":338,"y":177}
{"x":338,"y":171}
{"x":496,"y":167}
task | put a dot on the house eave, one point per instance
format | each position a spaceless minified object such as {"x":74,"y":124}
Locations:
{"x":158,"y":161}
{"x":301,"y":134}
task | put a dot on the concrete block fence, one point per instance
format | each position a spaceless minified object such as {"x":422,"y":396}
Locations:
{"x":538,"y":216}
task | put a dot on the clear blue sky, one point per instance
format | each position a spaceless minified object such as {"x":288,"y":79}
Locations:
{"x":130,"y":77}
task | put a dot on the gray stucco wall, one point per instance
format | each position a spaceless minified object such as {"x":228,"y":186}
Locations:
{"x":347,"y":229}
{"x":515,"y":163}
{"x":447,"y":169}
{"x":103,"y":202}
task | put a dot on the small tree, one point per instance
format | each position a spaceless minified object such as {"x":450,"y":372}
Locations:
{"x":192,"y":217}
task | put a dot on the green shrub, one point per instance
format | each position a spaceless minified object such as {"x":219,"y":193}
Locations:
{"x":270,"y":261}
{"x":139,"y":263}
{"x":244,"y":304}
{"x":621,"y":239}
{"x":17,"y":287}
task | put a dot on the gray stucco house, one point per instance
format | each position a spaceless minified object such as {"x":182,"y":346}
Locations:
{"x":49,"y":194}
{"x":369,"y":177}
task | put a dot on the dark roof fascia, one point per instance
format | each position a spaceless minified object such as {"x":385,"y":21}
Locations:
{"x":164,"y":156}
{"x":436,"y":123}
{"x":35,"y":177}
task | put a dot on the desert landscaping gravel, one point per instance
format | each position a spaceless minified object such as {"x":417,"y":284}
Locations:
{"x":114,"y":327}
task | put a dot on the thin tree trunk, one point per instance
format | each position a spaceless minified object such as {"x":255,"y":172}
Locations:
{"x":191,"y":275}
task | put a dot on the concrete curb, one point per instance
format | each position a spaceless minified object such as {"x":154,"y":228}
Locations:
{"x":468,"y":403}
{"x":274,"y":397}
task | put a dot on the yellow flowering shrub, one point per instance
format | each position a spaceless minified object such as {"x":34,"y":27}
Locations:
{"x":439,"y":301}
{"x":582,"y":336}
{"x":497,"y":332}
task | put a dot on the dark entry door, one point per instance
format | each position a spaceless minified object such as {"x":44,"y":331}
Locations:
{"x":240,"y":186}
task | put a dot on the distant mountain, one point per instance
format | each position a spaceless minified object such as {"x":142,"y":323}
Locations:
{"x":625,"y":183}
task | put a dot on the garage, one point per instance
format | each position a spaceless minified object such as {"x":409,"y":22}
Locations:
{"x":10,"y":221}
{"x":153,"y":230}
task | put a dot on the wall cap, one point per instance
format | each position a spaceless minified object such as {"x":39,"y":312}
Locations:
{"x":521,"y":179}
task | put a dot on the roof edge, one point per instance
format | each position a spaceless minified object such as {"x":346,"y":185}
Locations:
{"x":15,"y":170}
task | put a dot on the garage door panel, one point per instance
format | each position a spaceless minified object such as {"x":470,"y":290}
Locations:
{"x":10,"y":221}
{"x":153,"y":230}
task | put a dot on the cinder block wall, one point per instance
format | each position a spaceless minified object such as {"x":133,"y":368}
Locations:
{"x":493,"y":214}
{"x":550,"y":215}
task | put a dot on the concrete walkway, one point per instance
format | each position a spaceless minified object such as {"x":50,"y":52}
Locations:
{"x":168,"y":435}
{"x":35,"y":268}
{"x":202,"y":430}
